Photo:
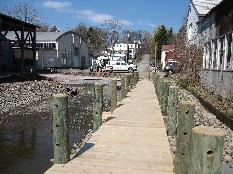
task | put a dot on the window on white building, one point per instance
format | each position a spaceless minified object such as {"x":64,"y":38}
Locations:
{"x":215,"y":54}
{"x":229,"y":52}
{"x":221,"y":52}
{"x":190,"y":30}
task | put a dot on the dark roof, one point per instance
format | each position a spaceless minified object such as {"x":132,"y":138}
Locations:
{"x":15,"y":23}
{"x":43,"y":36}
{"x":220,"y":5}
{"x":40,"y":36}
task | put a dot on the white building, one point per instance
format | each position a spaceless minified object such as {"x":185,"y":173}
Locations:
{"x":122,"y":48}
{"x":164,"y":51}
{"x":197,"y":10}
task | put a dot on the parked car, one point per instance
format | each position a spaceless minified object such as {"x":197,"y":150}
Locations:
{"x":120,"y":66}
{"x":170,"y":67}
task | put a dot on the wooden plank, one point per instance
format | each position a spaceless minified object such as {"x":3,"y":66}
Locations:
{"x":133,"y":141}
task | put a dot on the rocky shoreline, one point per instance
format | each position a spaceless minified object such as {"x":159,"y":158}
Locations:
{"x":204,"y":118}
{"x":19,"y":95}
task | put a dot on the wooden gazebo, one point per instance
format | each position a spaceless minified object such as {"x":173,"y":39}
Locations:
{"x":25,"y":34}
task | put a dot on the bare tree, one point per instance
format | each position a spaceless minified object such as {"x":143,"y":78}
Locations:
{"x":113,"y":28}
{"x":23,"y":11}
{"x":189,"y":57}
{"x":82,"y":29}
{"x":43,"y":27}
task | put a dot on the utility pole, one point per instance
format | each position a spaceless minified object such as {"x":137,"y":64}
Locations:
{"x":127,"y":54}
{"x":155,"y":53}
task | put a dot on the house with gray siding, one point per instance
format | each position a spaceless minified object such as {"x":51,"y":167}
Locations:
{"x":59,"y":50}
{"x":197,"y":10}
{"x":62,"y":50}
{"x":215,"y":33}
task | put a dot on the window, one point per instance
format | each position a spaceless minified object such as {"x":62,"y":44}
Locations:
{"x":215,"y":54}
{"x":76,"y":51}
{"x":190,"y":31}
{"x":118,"y":63}
{"x":210,"y":55}
{"x":65,"y":59}
{"x":189,"y":9}
{"x":221,"y":52}
{"x":229,"y":52}
{"x":123,"y":63}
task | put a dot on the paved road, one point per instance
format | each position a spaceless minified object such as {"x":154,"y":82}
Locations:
{"x":143,"y":66}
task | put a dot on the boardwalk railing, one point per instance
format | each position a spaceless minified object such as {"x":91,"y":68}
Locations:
{"x":60,"y":114}
{"x":198,"y":149}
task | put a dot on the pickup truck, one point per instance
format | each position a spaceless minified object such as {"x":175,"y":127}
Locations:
{"x":120,"y":66}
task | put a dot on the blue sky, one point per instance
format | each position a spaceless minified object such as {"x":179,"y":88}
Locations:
{"x":134,"y":14}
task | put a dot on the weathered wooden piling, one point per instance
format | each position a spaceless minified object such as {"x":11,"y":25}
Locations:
{"x":123,"y":94}
{"x":172,"y":110}
{"x":127,"y":82}
{"x":152,"y":76}
{"x":206,"y":147}
{"x":131,"y":81}
{"x":165,"y":93}
{"x":184,"y":128}
{"x":97,"y":106}
{"x":155,"y":82}
{"x":113,"y":95}
{"x":60,"y":129}
{"x":159,"y":89}
{"x":135,"y":78}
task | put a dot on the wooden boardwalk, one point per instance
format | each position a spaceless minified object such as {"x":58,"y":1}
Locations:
{"x":133,"y":141}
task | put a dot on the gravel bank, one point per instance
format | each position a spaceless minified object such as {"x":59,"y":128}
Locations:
{"x":21,"y":94}
{"x":204,"y":118}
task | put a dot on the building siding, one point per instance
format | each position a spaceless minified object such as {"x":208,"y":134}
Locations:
{"x":70,"y":52}
{"x":215,"y":33}
{"x":192,"y":27}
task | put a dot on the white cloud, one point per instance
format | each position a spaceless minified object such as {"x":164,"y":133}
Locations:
{"x":145,"y":23}
{"x":57,"y":4}
{"x":98,"y":18}
{"x":93,"y":16}
{"x":90,"y":15}
{"x":125,"y":22}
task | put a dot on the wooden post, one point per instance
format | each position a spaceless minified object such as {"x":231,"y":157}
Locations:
{"x":131,"y":81}
{"x":60,"y":129}
{"x":97,"y":106}
{"x":165,"y":93}
{"x":135,"y":78}
{"x":206,"y":147}
{"x":138,"y":75}
{"x":127,"y":79}
{"x":153,"y":76}
{"x":159,"y":89}
{"x":185,"y":124}
{"x":114,"y":95}
{"x":122,"y":88}
{"x":155,"y":82}
{"x":172,"y":110}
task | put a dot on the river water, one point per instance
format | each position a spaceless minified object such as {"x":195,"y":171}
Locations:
{"x":26,"y":143}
